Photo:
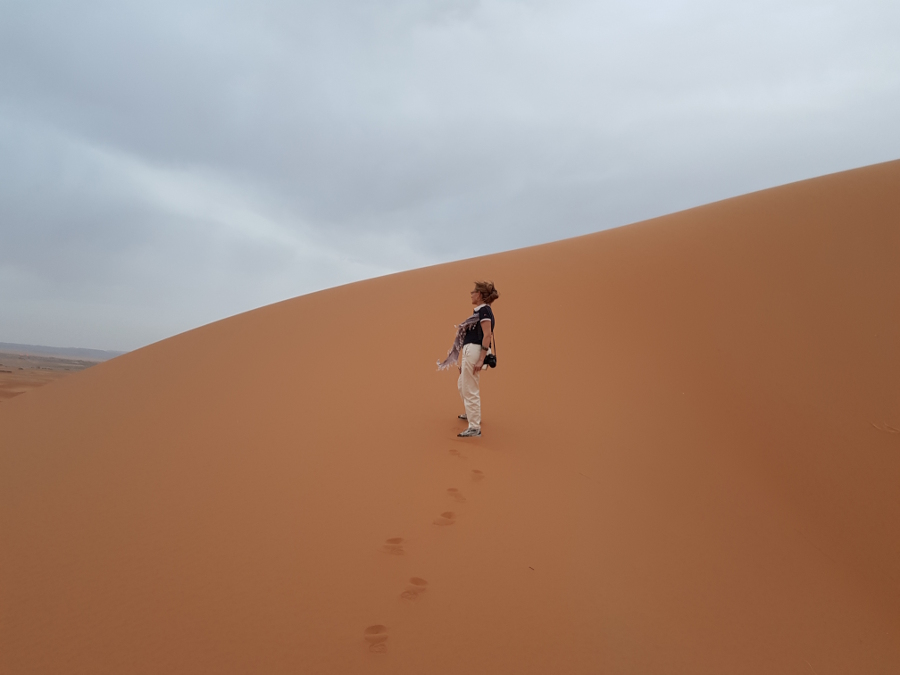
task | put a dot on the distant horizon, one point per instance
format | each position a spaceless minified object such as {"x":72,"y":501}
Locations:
{"x":49,"y":350}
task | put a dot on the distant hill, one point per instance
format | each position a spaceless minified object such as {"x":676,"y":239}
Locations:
{"x":63,"y":352}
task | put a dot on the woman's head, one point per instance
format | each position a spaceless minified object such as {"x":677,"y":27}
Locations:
{"x":484,"y":292}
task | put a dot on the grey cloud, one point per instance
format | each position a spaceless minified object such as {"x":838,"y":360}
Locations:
{"x":204,"y":158}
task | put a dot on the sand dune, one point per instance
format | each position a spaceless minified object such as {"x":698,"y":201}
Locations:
{"x":690,"y":465}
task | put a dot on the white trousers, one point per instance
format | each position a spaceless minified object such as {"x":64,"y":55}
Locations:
{"x":468,"y":384}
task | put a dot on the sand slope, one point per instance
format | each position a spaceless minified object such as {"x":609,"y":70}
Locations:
{"x":688,"y":467}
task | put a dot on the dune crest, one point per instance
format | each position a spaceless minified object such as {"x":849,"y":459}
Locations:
{"x":690,"y":466}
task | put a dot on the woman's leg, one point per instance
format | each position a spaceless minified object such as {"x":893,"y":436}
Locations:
{"x":469,"y":385}
{"x":459,"y":382}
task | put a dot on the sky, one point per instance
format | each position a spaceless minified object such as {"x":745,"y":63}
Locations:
{"x":170,"y":163}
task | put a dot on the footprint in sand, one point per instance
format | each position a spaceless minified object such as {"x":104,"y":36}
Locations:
{"x":456,"y":495}
{"x":477,"y":475}
{"x":394,"y":546}
{"x":446,"y":518}
{"x":377,"y":637}
{"x":414,"y":588}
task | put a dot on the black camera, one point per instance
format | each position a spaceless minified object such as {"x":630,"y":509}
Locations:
{"x":490,"y":361}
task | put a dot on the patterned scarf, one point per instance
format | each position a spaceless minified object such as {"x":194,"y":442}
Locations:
{"x":461,"y":331}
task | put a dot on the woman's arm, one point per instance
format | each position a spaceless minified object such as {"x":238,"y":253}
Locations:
{"x":485,"y":342}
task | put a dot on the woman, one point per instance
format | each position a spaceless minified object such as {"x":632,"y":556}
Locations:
{"x":472,"y":344}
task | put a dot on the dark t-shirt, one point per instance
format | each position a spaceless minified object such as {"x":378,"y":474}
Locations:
{"x":475,"y":335}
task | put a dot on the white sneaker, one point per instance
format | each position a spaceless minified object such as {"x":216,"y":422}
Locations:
{"x":471,"y":431}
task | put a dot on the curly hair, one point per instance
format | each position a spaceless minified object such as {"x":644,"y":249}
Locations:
{"x":487,"y":290}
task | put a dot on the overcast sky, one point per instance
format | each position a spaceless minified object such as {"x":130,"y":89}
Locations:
{"x":165,"y":164}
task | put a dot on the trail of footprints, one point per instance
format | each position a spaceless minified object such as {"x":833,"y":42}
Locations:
{"x":377,"y":634}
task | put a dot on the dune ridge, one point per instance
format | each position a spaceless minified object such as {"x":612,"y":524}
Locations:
{"x":690,"y":465}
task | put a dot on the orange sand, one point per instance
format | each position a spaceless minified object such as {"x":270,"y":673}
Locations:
{"x":698,"y":474}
